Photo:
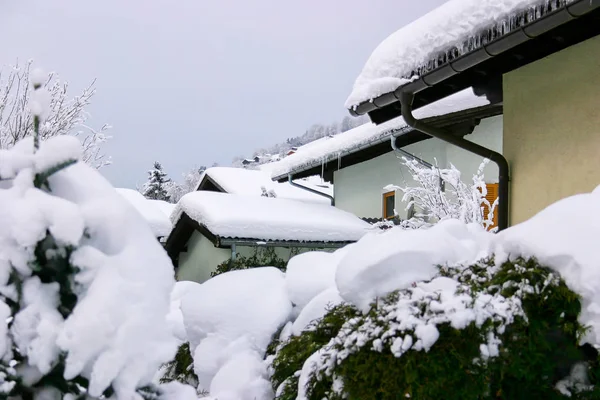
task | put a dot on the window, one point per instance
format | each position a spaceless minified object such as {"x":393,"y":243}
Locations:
{"x":492,"y":195}
{"x":389,"y":203}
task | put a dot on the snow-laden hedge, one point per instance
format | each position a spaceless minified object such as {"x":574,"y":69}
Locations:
{"x":481,"y":332}
{"x":451,"y":311}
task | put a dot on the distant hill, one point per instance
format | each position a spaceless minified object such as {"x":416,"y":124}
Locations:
{"x":280,"y":150}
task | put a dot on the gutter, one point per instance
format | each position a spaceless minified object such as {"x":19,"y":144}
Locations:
{"x":457,"y":115}
{"x":291,"y":181}
{"x":225,"y":242}
{"x":406,"y":100}
{"x":533,"y":30}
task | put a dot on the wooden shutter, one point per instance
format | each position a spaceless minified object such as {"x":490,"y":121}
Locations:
{"x":492,"y":195}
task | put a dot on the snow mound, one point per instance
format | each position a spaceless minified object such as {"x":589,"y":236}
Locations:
{"x":175,"y":316}
{"x":309,"y":274}
{"x":316,"y":309}
{"x":564,"y":237}
{"x":153,"y":211}
{"x":230,"y":314}
{"x":116,"y":333}
{"x":395,"y":259}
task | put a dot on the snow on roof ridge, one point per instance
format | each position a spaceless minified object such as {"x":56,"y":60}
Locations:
{"x":268,"y":219}
{"x":349,"y":141}
{"x":455,"y":28}
{"x":244,"y":181}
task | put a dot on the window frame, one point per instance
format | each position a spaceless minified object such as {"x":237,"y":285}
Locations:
{"x":385,"y":196}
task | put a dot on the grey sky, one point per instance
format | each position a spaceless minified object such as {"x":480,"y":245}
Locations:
{"x":192,"y":82}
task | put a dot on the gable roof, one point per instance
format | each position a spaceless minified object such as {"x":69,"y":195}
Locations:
{"x":449,"y":46}
{"x":331,"y":150}
{"x":228,"y":218}
{"x":250,"y":182}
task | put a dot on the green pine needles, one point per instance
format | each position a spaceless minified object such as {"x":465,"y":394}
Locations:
{"x":503,"y":332}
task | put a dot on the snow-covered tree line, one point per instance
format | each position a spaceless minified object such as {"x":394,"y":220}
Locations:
{"x":316,"y":131}
{"x":65,"y":114}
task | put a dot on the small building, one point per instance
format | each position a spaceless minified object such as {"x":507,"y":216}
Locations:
{"x":211,"y":228}
{"x":364,"y":164}
{"x":539,"y":58}
{"x":156,"y":212}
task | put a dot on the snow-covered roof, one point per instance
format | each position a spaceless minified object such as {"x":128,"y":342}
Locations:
{"x":453,"y":29}
{"x":155,"y":212}
{"x":331,"y":148}
{"x":269,"y":219}
{"x":315,"y":182}
{"x":251,"y":181}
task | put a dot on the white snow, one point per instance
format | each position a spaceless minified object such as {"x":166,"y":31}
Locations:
{"x":455,"y":24}
{"x":394,"y":259}
{"x":250,"y":182}
{"x":265,"y":218}
{"x":309,"y":274}
{"x":230,"y":320}
{"x":117,"y":333}
{"x":331,"y":148}
{"x":175,"y":316}
{"x":155,"y":212}
{"x":316,"y":308}
{"x":564,"y":236}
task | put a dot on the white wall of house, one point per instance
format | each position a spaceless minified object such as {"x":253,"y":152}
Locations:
{"x":202,"y":257}
{"x":359,"y":188}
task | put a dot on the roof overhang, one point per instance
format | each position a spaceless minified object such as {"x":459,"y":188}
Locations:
{"x":460,"y":123}
{"x":185,"y":227}
{"x":483,"y":68}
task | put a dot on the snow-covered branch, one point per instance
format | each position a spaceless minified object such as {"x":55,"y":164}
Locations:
{"x":65,"y":115}
{"x":441,"y":194}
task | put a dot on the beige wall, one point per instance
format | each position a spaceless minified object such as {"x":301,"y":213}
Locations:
{"x":359,"y":188}
{"x":200,"y":260}
{"x":552,"y":128}
{"x":202,"y":257}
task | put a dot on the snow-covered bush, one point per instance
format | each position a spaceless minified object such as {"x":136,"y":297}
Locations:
{"x":480,"y":332}
{"x":84,"y":285}
{"x":441,"y":194}
{"x":265,"y":256}
{"x":65,"y":115}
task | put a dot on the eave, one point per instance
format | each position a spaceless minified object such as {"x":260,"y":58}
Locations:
{"x":460,"y":123}
{"x":483,"y":68}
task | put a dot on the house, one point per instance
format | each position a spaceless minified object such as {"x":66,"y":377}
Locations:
{"x":364,"y":163}
{"x":252,"y":182}
{"x":211,"y":228}
{"x":156,"y":212}
{"x":539,"y":58}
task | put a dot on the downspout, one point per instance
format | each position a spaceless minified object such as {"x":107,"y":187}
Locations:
{"x":233,"y":252}
{"x":291,"y":181}
{"x":406,"y":100}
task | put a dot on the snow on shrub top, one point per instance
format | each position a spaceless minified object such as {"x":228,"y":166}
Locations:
{"x":107,"y":316}
{"x":565,"y":237}
{"x":233,"y":313}
{"x":383,"y":262}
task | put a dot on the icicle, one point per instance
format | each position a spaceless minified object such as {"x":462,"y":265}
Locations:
{"x":339,"y":161}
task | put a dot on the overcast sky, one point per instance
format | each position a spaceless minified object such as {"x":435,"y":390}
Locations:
{"x":192,"y":82}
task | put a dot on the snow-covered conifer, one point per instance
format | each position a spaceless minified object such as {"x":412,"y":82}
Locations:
{"x":156,"y":188}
